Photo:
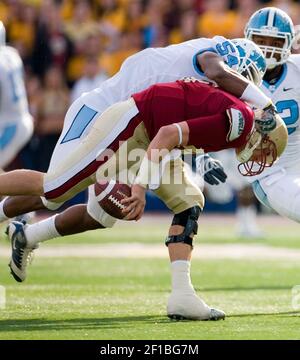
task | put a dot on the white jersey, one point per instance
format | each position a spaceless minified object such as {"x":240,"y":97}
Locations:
{"x":13,"y":100}
{"x":137,"y":73}
{"x":159,"y":65}
{"x":86,"y":84}
{"x":16,"y":125}
{"x":285,"y":94}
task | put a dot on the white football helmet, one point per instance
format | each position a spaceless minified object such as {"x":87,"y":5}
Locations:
{"x":272,"y":22}
{"x":262,"y":151}
{"x":252,"y":61}
{"x":2,"y":34}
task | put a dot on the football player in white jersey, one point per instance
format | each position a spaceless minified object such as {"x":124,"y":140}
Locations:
{"x":16,"y":125}
{"x":279,"y":186}
{"x":208,"y":59}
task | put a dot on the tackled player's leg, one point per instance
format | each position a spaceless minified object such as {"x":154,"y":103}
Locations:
{"x":66,"y":179}
{"x":186,"y":201}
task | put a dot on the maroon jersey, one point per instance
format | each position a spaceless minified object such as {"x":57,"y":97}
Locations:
{"x":201,"y":105}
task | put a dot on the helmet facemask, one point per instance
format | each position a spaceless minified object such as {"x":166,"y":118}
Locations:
{"x":272,"y":22}
{"x":252,"y":73}
{"x":263,"y":156}
{"x":261,"y":151}
{"x":270,"y":52}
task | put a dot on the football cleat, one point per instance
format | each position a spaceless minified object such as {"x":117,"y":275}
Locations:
{"x":21,"y":254}
{"x":216,"y":314}
{"x":189,"y":306}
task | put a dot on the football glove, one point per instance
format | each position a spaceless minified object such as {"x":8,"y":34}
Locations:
{"x":210,"y":169}
{"x":267,"y":120}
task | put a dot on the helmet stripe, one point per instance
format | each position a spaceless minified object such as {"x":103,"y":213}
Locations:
{"x":270,"y":22}
{"x":274,"y":21}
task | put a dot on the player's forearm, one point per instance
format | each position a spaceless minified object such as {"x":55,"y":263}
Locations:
{"x":255,"y":97}
{"x":215,"y":69}
{"x":21,"y":182}
{"x":240,"y":87}
{"x":164,"y":140}
{"x":229,"y":80}
{"x":167,"y":138}
{"x":159,"y":149}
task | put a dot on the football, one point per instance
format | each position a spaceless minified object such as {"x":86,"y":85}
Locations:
{"x":109,"y":195}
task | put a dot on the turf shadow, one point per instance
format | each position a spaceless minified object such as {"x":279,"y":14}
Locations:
{"x":78,"y":323}
{"x":246,"y":288}
{"x":279,"y":313}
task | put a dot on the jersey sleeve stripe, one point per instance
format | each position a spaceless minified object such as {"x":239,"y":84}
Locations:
{"x":195,"y":62}
{"x":84,"y":116}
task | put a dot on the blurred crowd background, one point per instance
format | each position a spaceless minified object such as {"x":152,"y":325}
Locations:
{"x":71,"y":46}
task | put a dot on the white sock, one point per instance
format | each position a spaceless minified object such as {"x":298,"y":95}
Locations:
{"x":3,"y":217}
{"x":252,"y":216}
{"x":41,"y":231}
{"x":246,"y":216}
{"x":241,"y":214}
{"x":181,"y":279}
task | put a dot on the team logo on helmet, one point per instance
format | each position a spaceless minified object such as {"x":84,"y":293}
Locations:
{"x":252,"y":62}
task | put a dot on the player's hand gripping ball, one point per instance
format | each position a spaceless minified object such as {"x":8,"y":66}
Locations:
{"x":109,"y":195}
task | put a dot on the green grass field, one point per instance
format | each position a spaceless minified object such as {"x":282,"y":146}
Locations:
{"x":117,"y":298}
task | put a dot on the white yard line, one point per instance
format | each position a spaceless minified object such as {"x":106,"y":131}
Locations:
{"x":135,"y":250}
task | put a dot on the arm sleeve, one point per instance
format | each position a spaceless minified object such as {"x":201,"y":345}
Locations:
{"x":208,"y":132}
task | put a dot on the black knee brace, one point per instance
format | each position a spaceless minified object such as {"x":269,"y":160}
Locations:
{"x":187,"y":219}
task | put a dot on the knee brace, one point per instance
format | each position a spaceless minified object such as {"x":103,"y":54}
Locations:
{"x":187,"y":219}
